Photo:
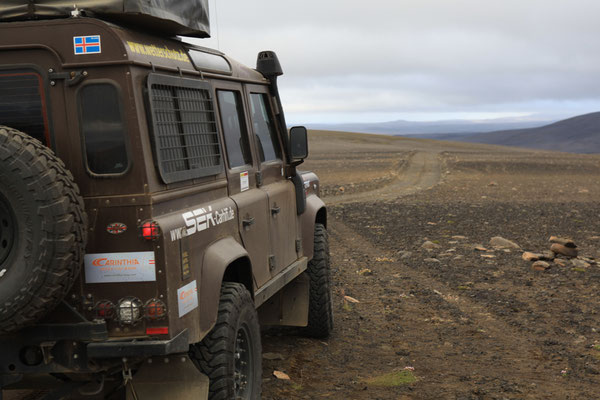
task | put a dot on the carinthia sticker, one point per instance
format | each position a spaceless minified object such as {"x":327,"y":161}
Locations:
{"x":120,"y":267}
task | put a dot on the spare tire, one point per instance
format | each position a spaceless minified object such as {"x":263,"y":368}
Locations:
{"x":42,"y":230}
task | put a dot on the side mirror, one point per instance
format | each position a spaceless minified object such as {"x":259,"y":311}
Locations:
{"x":298,"y":143}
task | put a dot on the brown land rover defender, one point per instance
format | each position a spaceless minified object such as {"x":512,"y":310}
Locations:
{"x":151,"y":213}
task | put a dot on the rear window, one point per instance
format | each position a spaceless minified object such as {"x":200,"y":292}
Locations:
{"x":185,"y":138}
{"x":103,"y":128}
{"x":22,"y":103}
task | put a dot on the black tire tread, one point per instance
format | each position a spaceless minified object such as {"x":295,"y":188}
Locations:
{"x":53,"y":188}
{"x":212,"y":354}
{"x":320,"y":312}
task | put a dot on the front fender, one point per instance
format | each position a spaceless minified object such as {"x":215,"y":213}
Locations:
{"x":315,"y":212}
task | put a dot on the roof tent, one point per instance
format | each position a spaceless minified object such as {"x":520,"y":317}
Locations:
{"x":174,"y":17}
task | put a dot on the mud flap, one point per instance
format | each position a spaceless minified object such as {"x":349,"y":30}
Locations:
{"x":289,"y":307}
{"x":172,"y":377}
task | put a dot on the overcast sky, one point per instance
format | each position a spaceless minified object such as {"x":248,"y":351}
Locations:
{"x":377,"y":60}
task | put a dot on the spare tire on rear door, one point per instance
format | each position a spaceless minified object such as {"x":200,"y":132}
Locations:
{"x":42,"y":230}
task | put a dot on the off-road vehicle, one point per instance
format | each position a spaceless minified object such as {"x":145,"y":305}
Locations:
{"x":151,"y":213}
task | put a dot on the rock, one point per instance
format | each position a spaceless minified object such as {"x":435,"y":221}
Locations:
{"x":430,"y":245}
{"x":564,"y":250}
{"x":272,"y":356}
{"x":342,"y":189}
{"x":588,"y":260}
{"x":459,"y":237}
{"x":404,"y":254}
{"x":561,"y":262}
{"x":528,"y":256}
{"x":540,"y":266}
{"x":498,"y":241}
{"x":479,"y":248}
{"x":488,"y":256}
{"x":578,"y":263}
{"x":432,"y":260}
{"x":492,"y":183}
{"x":365,"y":272}
{"x":565,"y":242}
{"x":458,"y":257}
{"x":547,"y":255}
{"x":281,"y":375}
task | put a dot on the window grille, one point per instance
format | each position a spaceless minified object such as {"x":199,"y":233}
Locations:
{"x":186,"y":141}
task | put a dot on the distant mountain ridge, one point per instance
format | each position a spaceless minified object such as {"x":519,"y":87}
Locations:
{"x":579,"y":134}
{"x":401,"y":127}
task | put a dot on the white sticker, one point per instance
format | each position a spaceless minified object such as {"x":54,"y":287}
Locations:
{"x":187,"y":298}
{"x":120,"y":267}
{"x":244,"y":182}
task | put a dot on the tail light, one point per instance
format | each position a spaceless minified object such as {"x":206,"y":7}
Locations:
{"x":150,"y":230}
{"x":104,"y":310}
{"x":155,"y":309}
{"x":129,"y":310}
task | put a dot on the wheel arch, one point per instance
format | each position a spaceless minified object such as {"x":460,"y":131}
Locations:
{"x":224,"y":260}
{"x":316,"y":212}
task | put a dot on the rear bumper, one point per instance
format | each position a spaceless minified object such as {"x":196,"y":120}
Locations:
{"x":74,"y":348}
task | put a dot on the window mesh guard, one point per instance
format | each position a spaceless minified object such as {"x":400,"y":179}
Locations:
{"x":186,"y":140}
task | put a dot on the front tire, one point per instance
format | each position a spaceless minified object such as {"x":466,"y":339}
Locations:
{"x":320,"y":311}
{"x":231,"y":354}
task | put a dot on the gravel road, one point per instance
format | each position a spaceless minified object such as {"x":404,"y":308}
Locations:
{"x":451,"y":322}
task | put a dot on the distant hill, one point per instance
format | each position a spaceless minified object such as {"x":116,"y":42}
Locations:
{"x":458,"y":127}
{"x":579,"y":134}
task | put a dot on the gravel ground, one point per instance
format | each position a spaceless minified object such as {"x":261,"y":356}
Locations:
{"x":453,"y":322}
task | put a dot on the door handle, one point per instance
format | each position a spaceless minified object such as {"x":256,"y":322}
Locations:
{"x":247,"y":222}
{"x":275,"y":210}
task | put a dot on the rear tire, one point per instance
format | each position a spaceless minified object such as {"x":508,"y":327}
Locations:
{"x":42,"y":230}
{"x":320,"y":312}
{"x":231,"y":354}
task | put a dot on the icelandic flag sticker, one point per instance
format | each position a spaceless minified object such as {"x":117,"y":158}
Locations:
{"x":87,"y":44}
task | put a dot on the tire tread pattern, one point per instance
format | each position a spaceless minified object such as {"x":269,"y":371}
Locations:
{"x":64,"y":228}
{"x":214,"y":354}
{"x":320,"y":312}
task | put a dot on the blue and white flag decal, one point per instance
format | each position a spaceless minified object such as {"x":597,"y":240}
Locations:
{"x":87,"y":44}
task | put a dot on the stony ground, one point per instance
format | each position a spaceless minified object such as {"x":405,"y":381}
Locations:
{"x":449,"y":322}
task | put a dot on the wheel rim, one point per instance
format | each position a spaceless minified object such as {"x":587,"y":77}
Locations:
{"x":243,"y":375}
{"x":7,"y":233}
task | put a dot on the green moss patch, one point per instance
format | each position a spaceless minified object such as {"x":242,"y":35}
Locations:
{"x":393,"y":379}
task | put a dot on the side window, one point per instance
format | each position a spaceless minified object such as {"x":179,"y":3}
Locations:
{"x":184,"y":128}
{"x":232,"y":117}
{"x":103,"y":129}
{"x":264,"y":128}
{"x":23,"y":103}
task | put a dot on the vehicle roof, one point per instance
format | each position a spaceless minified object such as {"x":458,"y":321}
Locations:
{"x":121,"y":45}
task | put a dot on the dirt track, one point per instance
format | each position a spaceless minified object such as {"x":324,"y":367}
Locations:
{"x":473,"y":325}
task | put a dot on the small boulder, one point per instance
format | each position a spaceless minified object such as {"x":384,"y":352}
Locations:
{"x":498,"y":241}
{"x":558,"y":248}
{"x":540,"y":266}
{"x":563,"y":241}
{"x":430,"y":245}
{"x":578,"y":263}
{"x":547,"y":255}
{"x":529,"y":256}
{"x":560,"y":261}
